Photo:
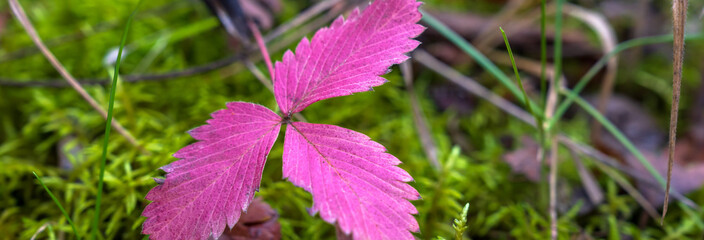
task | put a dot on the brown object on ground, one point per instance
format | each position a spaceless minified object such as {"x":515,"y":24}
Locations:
{"x":525,"y":159}
{"x":259,"y":222}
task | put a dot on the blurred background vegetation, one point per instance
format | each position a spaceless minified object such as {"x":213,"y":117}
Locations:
{"x":54,"y":132}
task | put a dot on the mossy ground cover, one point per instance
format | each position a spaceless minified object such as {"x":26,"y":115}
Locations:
{"x":53,"y":132}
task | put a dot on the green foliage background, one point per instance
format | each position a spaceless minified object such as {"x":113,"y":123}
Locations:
{"x":37,"y":125}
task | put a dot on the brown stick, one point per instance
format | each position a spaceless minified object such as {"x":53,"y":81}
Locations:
{"x":471,"y":86}
{"x":550,"y":107}
{"x":218,"y":64}
{"x":19,"y":13}
{"x":552,"y":181}
{"x":679,"y":15}
{"x":301,"y":18}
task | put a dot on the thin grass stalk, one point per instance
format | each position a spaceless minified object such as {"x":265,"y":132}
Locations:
{"x":58,"y":204}
{"x":473,"y":52}
{"x":557,"y":48}
{"x":543,"y":51}
{"x":619,"y":136}
{"x":557,"y":68}
{"x":538,"y":118}
{"x":569,"y":99}
{"x":106,"y":139}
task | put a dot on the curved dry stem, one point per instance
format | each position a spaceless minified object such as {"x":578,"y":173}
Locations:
{"x":19,"y":13}
{"x":607,"y":37}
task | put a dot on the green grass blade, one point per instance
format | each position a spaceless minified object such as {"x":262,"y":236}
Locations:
{"x":98,"y":198}
{"x":543,"y":50}
{"x":61,"y":207}
{"x":602,"y":62}
{"x":557,"y":48}
{"x":473,"y":52}
{"x":538,"y":118}
{"x":557,"y":51}
{"x":619,"y":136}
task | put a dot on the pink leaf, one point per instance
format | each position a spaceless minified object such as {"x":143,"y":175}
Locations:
{"x":354,"y":182}
{"x":349,"y":56}
{"x":216,"y":177}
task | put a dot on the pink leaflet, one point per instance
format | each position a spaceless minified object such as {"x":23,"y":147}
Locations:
{"x":216,"y":177}
{"x":354,"y":182}
{"x":349,"y":56}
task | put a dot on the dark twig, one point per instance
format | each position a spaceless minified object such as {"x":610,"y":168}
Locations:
{"x":193,"y":71}
{"x":471,"y":86}
{"x":300,"y":19}
{"x":19,"y":13}
{"x":208,"y":67}
{"x":95,"y":29}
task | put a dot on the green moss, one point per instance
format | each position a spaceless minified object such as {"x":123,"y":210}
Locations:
{"x":38,"y":127}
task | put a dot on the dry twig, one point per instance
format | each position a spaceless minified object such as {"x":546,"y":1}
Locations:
{"x":212,"y":66}
{"x":40,"y":230}
{"x":552,"y":181}
{"x":471,"y":86}
{"x":679,"y":10}
{"x":19,"y":13}
{"x":300,"y":19}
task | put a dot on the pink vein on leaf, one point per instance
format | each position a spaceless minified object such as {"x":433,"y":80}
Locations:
{"x":217,"y":176}
{"x":349,"y":56}
{"x":354,"y":182}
